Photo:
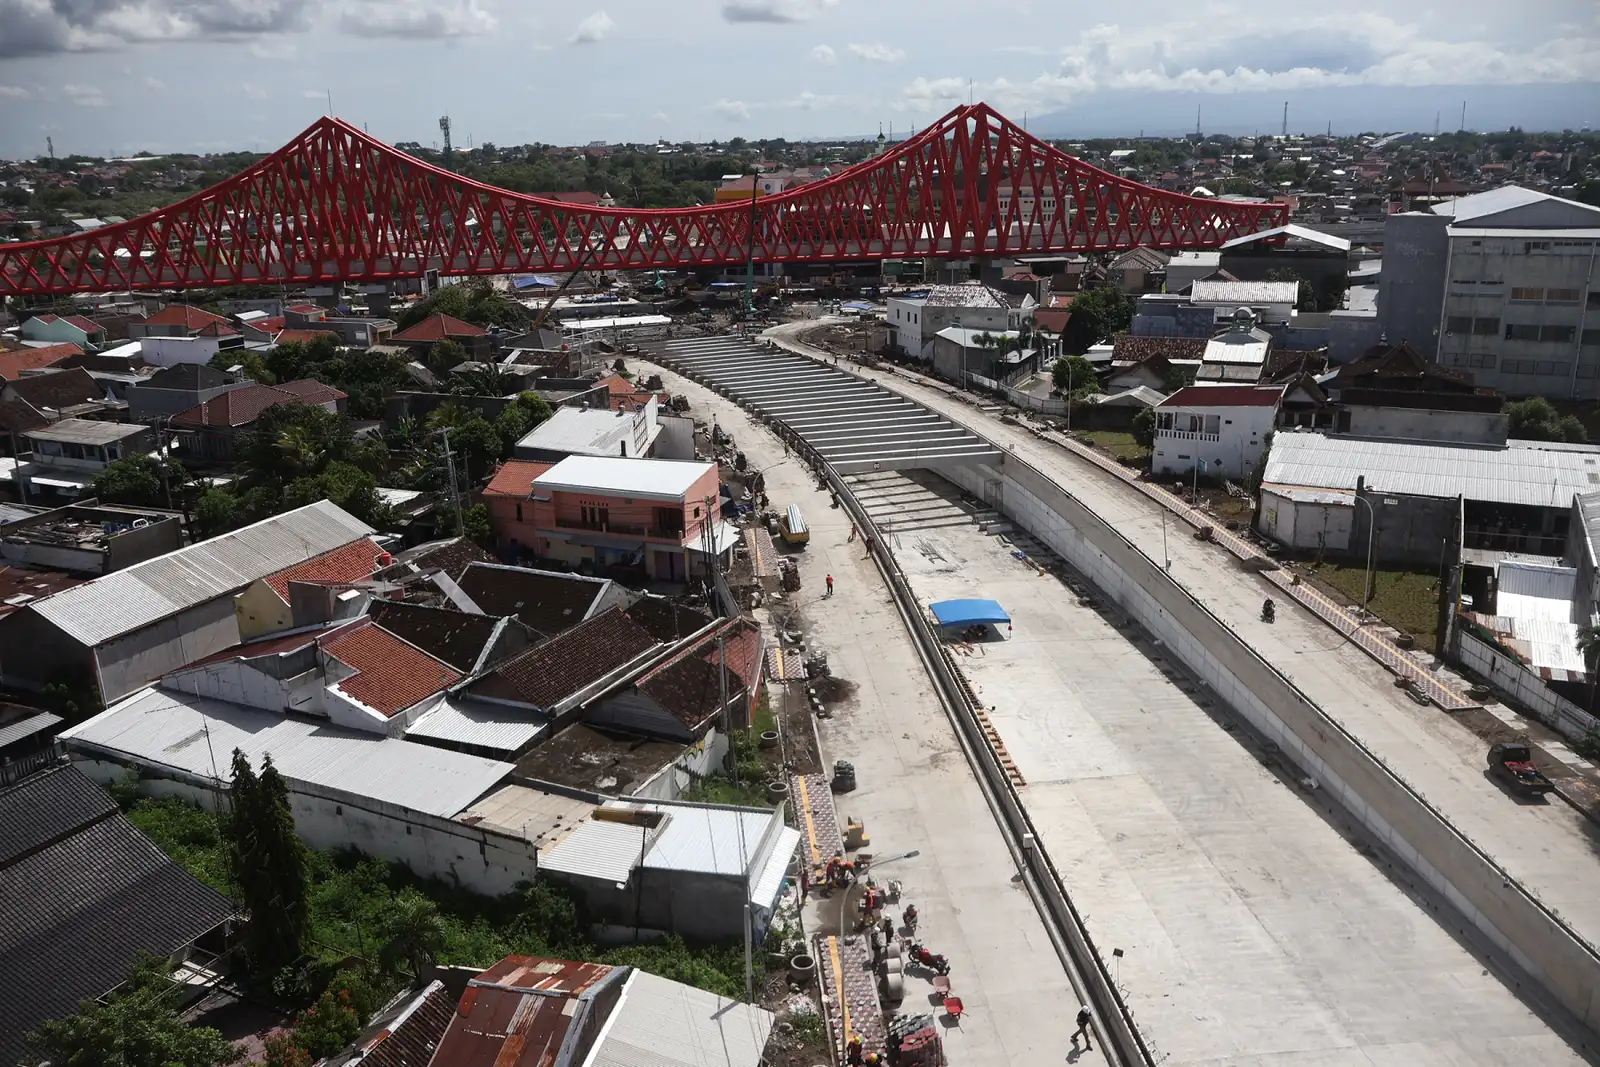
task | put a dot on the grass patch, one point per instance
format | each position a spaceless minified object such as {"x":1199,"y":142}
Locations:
{"x":352,"y":899}
{"x":751,"y":790}
{"x":1406,"y":600}
{"x":1120,"y":445}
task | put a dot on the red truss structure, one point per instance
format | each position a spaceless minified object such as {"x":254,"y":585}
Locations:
{"x":336,"y":205}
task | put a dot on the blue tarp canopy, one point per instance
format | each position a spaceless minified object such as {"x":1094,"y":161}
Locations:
{"x":535,"y":281}
{"x":969,"y":612}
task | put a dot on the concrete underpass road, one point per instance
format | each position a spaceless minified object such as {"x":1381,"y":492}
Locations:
{"x":1255,"y":932}
{"x":916,"y":791}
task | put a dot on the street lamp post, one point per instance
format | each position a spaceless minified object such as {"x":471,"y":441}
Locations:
{"x":1372,"y":521}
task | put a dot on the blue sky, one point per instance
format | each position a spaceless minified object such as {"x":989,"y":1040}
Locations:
{"x":116,"y":76}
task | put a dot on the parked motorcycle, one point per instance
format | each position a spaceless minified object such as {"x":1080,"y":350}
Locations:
{"x":932,"y":960}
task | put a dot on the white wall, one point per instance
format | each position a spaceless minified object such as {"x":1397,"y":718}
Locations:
{"x":471,"y":856}
{"x":1303,"y":524}
{"x":170,"y":351}
{"x":676,"y":440}
{"x":1513,"y":680}
{"x":1233,"y":451}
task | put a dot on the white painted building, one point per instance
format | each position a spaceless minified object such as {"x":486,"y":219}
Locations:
{"x":913,"y":322}
{"x":1221,"y":429}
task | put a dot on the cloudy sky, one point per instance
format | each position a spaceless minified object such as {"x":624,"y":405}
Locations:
{"x":116,"y":76}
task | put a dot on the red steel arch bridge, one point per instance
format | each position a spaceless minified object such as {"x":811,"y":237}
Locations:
{"x":337,"y":205}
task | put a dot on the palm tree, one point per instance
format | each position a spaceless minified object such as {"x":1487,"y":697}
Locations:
{"x":413,"y":933}
{"x":446,"y":414}
{"x":299,"y":448}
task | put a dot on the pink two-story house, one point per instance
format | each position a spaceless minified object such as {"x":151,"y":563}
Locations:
{"x":598,"y":512}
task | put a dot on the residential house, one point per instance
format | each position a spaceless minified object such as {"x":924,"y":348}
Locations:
{"x":546,"y":602}
{"x":179,"y":333}
{"x":914,"y":320}
{"x":37,"y":400}
{"x":1138,"y":270}
{"x":421,"y":337}
{"x":714,"y":680}
{"x":593,"y":513}
{"x":470,"y":643}
{"x":66,"y":455}
{"x":178,"y":388}
{"x":567,"y":432}
{"x":268,"y":604}
{"x":90,"y":538}
{"x":65,"y":329}
{"x":1219,"y":431}
{"x":957,"y":355}
{"x":1321,"y":259}
{"x":126,"y":629}
{"x":18,"y":361}
{"x":207,"y":432}
{"x":85,"y":898}
{"x":175,"y":320}
{"x":1238,"y":354}
{"x":594,"y":1015}
{"x":1394,"y":392}
{"x":1186,"y":268}
{"x":556,"y":677}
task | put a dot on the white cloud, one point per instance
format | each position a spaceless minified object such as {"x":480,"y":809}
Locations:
{"x":417,"y":19}
{"x":733,"y":110}
{"x":43,"y":27}
{"x":155,"y":85}
{"x":877,"y":53}
{"x":775,"y":10}
{"x":255,"y":92}
{"x":597,"y":27}
{"x":84,"y":95}
{"x":13,"y":92}
{"x":281,"y":51}
{"x":825,"y":55}
{"x":810,"y":101}
{"x":658,"y":116}
{"x":314,"y":94}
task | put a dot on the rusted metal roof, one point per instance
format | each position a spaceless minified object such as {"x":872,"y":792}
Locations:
{"x":519,"y":1012}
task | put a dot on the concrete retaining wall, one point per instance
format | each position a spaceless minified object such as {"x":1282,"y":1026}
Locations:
{"x":1549,"y":952}
{"x":1513,"y":680}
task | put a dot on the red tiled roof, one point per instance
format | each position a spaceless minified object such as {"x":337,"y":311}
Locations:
{"x":1225,"y":396}
{"x":301,"y":336}
{"x":216,"y":329}
{"x":13,"y":363}
{"x":551,"y":672}
{"x":190,"y":318}
{"x":23,"y":582}
{"x":515,"y":478}
{"x":391,"y":675}
{"x":86,"y":325}
{"x":1125,"y":346}
{"x":438,"y":327}
{"x":306,"y":309}
{"x":354,"y":562}
{"x":240,"y":407}
{"x":272,"y":325}
{"x":690,"y":685}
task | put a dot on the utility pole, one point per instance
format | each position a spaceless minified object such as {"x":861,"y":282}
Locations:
{"x":455,"y":493}
{"x":1285,"y":132}
{"x":1463,"y":116}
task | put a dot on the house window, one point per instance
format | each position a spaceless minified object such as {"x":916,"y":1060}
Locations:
{"x":1486,"y":327}
{"x":1535,"y":246}
{"x":519,"y":511}
{"x":1558,"y":334}
{"x":1519,"y":332}
{"x":1527,"y":294}
{"x":1591,"y":337}
{"x":1561,"y":296}
{"x":1458,"y":324}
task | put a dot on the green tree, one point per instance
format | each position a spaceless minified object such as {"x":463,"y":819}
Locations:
{"x":476,"y":525}
{"x":135,"y":481}
{"x":1074,"y":375}
{"x":268,"y":864}
{"x":1536,"y":419}
{"x":1096,"y":316}
{"x":1305,"y":295}
{"x":474,"y":301}
{"x":138,"y":1028}
{"x":328,"y":1025}
{"x":1144,"y":427}
{"x":511,"y":424}
{"x":413,"y":931}
{"x":255,"y":366}
{"x":478,"y":444}
{"x":444,"y":355}
{"x":537,"y":407}
{"x":345,"y":485}
{"x":216,"y":512}
{"x":283,"y":1050}
{"x":293,"y":440}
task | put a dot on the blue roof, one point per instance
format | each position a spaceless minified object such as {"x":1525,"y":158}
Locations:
{"x":535,"y":281}
{"x":856,"y":305}
{"x":968,"y":612}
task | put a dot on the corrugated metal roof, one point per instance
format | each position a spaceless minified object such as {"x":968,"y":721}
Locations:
{"x":198,"y":736}
{"x":147,"y":592}
{"x":482,"y":725}
{"x":1528,"y":590}
{"x":606,"y":851}
{"x":769,"y":880}
{"x":1204,"y":292}
{"x":1524,"y":473}
{"x":662,"y":1023}
{"x":27,"y":727}
{"x":1304,"y":233}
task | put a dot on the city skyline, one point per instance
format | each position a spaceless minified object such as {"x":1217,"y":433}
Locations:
{"x":119,"y":76}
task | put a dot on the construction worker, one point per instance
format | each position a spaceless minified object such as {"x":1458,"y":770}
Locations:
{"x":852,"y":1049}
{"x":830,"y":585}
{"x":1084,"y":1019}
{"x":852,"y":533}
{"x":834,"y":865}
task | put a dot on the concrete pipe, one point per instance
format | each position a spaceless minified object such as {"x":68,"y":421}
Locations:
{"x":769,"y":739}
{"x":777,"y":791}
{"x":893,"y":988}
{"x":802,"y":969}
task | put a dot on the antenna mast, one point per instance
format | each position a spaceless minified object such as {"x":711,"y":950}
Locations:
{"x":444,"y":128}
{"x":1285,"y":132}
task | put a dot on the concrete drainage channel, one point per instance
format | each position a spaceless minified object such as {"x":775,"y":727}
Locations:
{"x":1483,"y":893}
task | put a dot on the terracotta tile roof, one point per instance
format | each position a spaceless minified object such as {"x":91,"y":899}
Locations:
{"x":515,"y":478}
{"x":86,"y":325}
{"x":190,"y":318}
{"x":689,"y":685}
{"x":391,"y":674}
{"x":306,"y":309}
{"x":19,"y":417}
{"x":13,"y":363}
{"x":667,"y":620}
{"x":58,"y":389}
{"x":452,"y":556}
{"x":412,"y":1037}
{"x":1225,"y":396}
{"x":240,"y":407}
{"x":438,"y":327}
{"x":272,"y":325}
{"x":1127,"y":347}
{"x":546,"y":675}
{"x":216,"y":329}
{"x":354,"y":562}
{"x":285,"y":337}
